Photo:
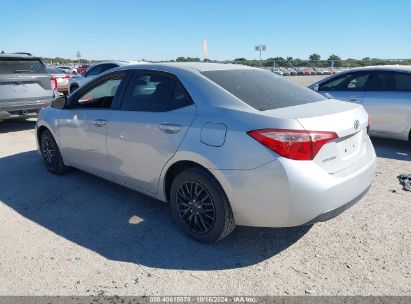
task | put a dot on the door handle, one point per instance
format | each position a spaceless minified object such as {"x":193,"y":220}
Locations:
{"x":170,"y":128}
{"x":99,"y":122}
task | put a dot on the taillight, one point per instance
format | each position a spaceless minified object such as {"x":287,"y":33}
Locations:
{"x":53,"y":82}
{"x":368,"y":126}
{"x":66,"y":77}
{"x":293,"y":144}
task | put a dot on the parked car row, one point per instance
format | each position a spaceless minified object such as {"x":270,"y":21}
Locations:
{"x":304,"y":71}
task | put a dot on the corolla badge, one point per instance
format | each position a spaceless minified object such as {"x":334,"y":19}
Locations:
{"x":356,"y":124}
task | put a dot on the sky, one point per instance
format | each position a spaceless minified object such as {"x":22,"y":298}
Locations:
{"x":166,"y":29}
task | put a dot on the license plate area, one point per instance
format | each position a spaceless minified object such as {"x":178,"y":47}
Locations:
{"x":351,"y":145}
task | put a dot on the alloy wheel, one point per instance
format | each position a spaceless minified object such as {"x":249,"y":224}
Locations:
{"x":195,"y":207}
{"x":48,"y":150}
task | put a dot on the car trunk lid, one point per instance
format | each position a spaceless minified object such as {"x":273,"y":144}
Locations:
{"x":348,"y":120}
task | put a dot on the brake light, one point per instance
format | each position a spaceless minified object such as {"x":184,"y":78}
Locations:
{"x":368,"y":126}
{"x":67,"y":77}
{"x":53,"y":83}
{"x":293,"y":144}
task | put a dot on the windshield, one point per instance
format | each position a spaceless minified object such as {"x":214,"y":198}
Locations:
{"x":21,"y":66}
{"x":262,"y":90}
{"x":55,"y":71}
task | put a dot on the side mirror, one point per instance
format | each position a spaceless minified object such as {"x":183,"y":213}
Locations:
{"x":59,"y":102}
{"x":315,"y":87}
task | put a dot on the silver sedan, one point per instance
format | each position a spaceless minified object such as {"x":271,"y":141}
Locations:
{"x":385,"y":93}
{"x":223,"y":144}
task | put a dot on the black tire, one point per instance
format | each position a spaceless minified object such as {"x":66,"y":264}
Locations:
{"x":51,"y":154}
{"x":200,"y":206}
{"x":73,"y":88}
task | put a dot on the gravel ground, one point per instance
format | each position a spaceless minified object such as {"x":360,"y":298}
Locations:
{"x":80,"y":235}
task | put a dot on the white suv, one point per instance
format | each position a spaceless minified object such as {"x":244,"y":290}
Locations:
{"x":93,"y":71}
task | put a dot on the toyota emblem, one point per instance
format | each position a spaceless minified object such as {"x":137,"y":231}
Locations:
{"x":356,"y":124}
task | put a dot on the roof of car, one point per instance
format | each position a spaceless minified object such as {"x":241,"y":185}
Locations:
{"x":117,"y":62}
{"x":18,"y":55}
{"x":198,"y":66}
{"x":404,"y":68}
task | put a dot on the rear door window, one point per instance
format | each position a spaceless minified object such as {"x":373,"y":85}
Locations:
{"x":262,"y":90}
{"x":348,"y":82}
{"x":21,"y":66}
{"x":94,"y":71}
{"x":391,"y":81}
{"x":108,"y":66}
{"x":154,"y":92}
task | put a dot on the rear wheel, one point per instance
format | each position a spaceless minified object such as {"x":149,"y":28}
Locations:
{"x":200,"y":207}
{"x":51,"y":154}
{"x":73,"y":88}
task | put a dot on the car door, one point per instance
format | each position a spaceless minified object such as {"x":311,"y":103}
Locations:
{"x":388,"y":102}
{"x":348,"y":86}
{"x":155,"y":114}
{"x":83,"y":126}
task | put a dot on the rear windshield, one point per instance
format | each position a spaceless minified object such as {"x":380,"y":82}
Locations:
{"x":21,"y":66}
{"x":55,"y":71}
{"x":262,"y":90}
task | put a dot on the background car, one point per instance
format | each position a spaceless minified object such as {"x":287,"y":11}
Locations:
{"x":326,"y":71}
{"x":82,"y":68}
{"x":68,"y":69}
{"x":224,"y":144}
{"x":277,"y":71}
{"x":384,"y":91}
{"x":292,"y":71}
{"x":25,"y":85}
{"x":285,"y":71}
{"x":93,"y":71}
{"x":60,"y":78}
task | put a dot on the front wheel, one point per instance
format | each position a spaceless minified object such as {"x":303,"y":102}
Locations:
{"x":51,"y":153}
{"x":200,"y":207}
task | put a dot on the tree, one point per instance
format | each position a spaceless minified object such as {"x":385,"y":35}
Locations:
{"x":180,"y":59}
{"x":335,"y":60}
{"x":240,"y":59}
{"x":187,"y":59}
{"x":314,"y":57}
{"x":334,"y":57}
{"x":289,"y":58}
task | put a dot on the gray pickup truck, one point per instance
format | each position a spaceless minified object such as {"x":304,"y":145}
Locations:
{"x":25,"y":86}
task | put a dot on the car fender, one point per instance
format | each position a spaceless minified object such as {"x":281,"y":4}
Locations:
{"x":47,"y":118}
{"x":191,"y":157}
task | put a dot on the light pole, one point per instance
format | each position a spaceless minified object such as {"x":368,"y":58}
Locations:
{"x":260,"y":48}
{"x":78,"y":55}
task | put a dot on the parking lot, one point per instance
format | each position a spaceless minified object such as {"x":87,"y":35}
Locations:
{"x":77,"y":234}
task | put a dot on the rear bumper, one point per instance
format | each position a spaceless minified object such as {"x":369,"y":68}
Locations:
{"x":328,"y":215}
{"x":287,"y":193}
{"x":18,"y":109}
{"x":62,"y":88}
